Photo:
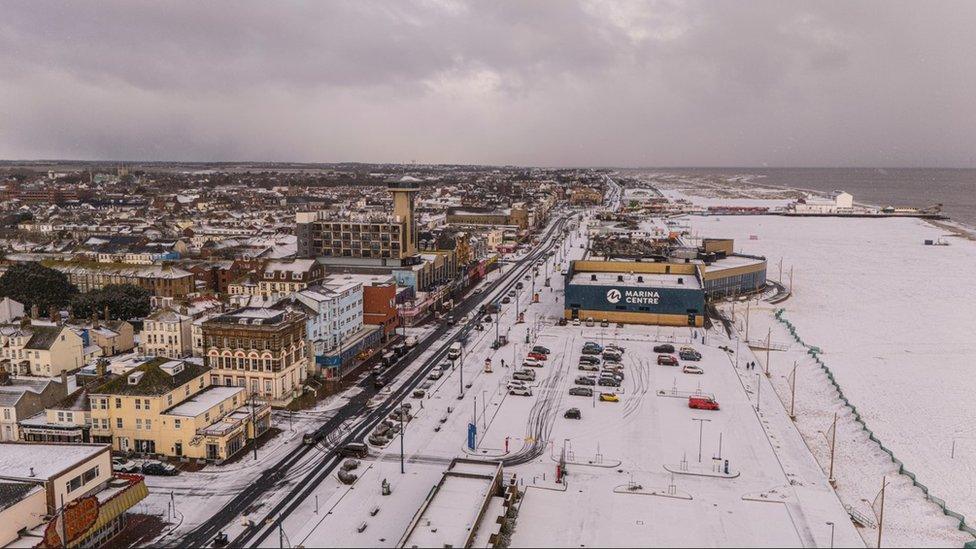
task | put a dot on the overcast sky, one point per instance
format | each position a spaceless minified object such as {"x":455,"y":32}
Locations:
{"x":740,"y":83}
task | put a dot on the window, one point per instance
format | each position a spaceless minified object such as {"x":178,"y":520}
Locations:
{"x":148,"y":424}
{"x":118,"y":423}
{"x":118,"y":402}
{"x":138,"y":423}
{"x":138,"y":404}
{"x":73,"y":484}
{"x":6,"y":413}
{"x":89,"y":475}
{"x":177,"y":423}
{"x":60,"y":416}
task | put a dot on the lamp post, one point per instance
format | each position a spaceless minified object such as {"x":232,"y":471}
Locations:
{"x":831,"y":524}
{"x":701,"y":427}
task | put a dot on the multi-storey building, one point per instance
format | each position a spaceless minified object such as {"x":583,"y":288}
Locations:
{"x":21,"y":398}
{"x":167,"y":333}
{"x":261,"y":349}
{"x":281,"y":278}
{"x":391,"y":241}
{"x":160,"y":280}
{"x":168,"y":407}
{"x":40,"y":350}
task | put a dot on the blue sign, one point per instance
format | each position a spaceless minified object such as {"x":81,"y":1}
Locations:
{"x":472,"y":435}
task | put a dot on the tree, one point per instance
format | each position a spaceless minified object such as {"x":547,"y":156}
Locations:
{"x":124,"y":301}
{"x":34,"y":284}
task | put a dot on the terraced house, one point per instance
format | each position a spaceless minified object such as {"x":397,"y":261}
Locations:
{"x":168,"y":407}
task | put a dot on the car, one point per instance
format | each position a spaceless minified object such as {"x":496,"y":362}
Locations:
{"x":519,"y":285}
{"x":540,"y":349}
{"x":615,"y":374}
{"x":454,"y":352}
{"x":561,"y":322}
{"x":581,"y":391}
{"x":576,"y":322}
{"x":589,"y":359}
{"x":665,"y":348}
{"x":520,"y":391}
{"x":692,"y":369}
{"x":593,"y":344}
{"x":614,"y":347}
{"x":666,"y":360}
{"x":354,"y":449}
{"x":685,"y":355}
{"x":516,"y":383}
{"x":524,"y":375}
{"x":587,"y":367}
{"x":479,"y":327}
{"x":608,"y":382}
{"x":612,"y":356}
{"x":585,"y":380}
{"x":123,"y":465}
{"x":506,"y":299}
{"x":573,"y":413}
{"x":609,"y":397}
{"x":538,"y":356}
{"x":511,"y":293}
{"x":155,"y":467}
{"x":531,"y":363}
{"x":604,"y":323}
{"x":589,"y":322}
{"x":379,"y":381}
{"x":419,"y":393}
{"x":435,"y":374}
{"x":702,"y":403}
{"x":487,"y":318}
{"x":451,"y":321}
{"x":590,"y":351}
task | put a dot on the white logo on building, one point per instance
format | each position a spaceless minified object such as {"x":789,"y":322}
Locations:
{"x":613,"y":296}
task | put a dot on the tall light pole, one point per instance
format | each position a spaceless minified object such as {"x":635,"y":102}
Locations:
{"x":793,"y":392}
{"x":701,"y":428}
{"x":402,"y":434}
{"x":831,"y":524}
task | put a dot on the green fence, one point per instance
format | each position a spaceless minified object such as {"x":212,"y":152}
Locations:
{"x":814,"y":353}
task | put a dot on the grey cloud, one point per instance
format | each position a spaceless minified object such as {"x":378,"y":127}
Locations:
{"x":541,"y":83}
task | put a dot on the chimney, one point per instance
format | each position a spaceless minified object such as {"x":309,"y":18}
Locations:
{"x":35,"y":311}
{"x":681,"y":280}
{"x":4,"y":376}
{"x":100,"y":367}
{"x":71,"y":314}
{"x":105,"y":313}
{"x":64,"y":379}
{"x":31,"y":475}
{"x":53,"y":313}
{"x":94,"y":321}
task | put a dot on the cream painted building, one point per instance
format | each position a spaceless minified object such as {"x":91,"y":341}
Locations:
{"x":167,"y":333}
{"x":44,"y":350}
{"x":168,"y":407}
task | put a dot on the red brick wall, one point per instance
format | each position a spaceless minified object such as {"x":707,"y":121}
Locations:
{"x":379,"y":306}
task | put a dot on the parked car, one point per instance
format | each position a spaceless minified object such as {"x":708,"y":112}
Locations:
{"x":619,"y":376}
{"x":519,"y":285}
{"x":615,"y":347}
{"x":516,"y":383}
{"x":506,"y":299}
{"x":538,"y":356}
{"x":581,"y":391}
{"x":435,"y":374}
{"x":520,"y":391}
{"x":379,"y":381}
{"x":589,"y":322}
{"x":573,"y":413}
{"x":685,"y":355}
{"x":594,"y":345}
{"x":122,"y":465}
{"x":666,"y":360}
{"x":589,"y":359}
{"x":154,"y":467}
{"x":608,"y":382}
{"x":587,"y":367}
{"x":591,"y":351}
{"x":487,"y":318}
{"x":609,"y":397}
{"x":541,"y":349}
{"x":354,"y":449}
{"x":561,"y":322}
{"x":604,"y":323}
{"x":665,"y":348}
{"x":511,"y":293}
{"x":584,"y":380}
{"x":611,"y":356}
{"x":419,"y":393}
{"x":531,"y":363}
{"x":702,"y":403}
{"x":524,"y":375}
{"x":692,"y":369}
{"x":576,"y":322}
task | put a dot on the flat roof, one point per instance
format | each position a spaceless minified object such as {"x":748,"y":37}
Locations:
{"x":451,"y":514}
{"x":204,"y":400}
{"x":17,"y":459}
{"x":649,"y":280}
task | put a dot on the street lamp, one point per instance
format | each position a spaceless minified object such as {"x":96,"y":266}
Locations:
{"x":701,"y":427}
{"x":831,"y":524}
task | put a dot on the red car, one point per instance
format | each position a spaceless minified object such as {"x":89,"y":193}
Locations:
{"x":702,"y":403}
{"x":667,"y":360}
{"x":538,"y":356}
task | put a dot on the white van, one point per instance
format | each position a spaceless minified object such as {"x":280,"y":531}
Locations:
{"x":454,"y":352}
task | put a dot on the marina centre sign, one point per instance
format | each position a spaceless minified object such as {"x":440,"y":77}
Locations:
{"x":635,"y":297}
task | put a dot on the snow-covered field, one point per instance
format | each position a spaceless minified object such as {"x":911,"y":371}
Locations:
{"x":894,"y":319}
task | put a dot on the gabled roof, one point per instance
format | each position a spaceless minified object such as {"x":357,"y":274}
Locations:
{"x":154,"y":382}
